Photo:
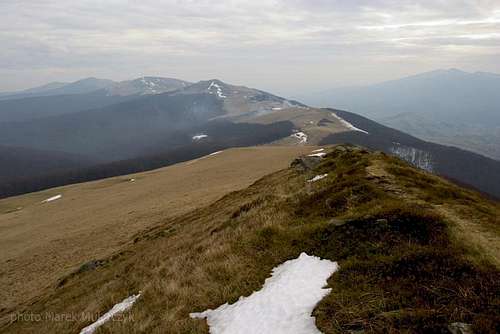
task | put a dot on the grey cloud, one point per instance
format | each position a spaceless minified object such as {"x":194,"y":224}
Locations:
{"x":192,"y":39}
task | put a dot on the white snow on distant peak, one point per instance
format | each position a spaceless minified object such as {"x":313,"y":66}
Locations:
{"x":319,"y":154}
{"x":347,"y":124}
{"x":318,"y":150}
{"x":218,"y":90}
{"x":53,"y":198}
{"x":199,"y":137}
{"x":283,"y":305}
{"x":118,"y":308}
{"x":276,"y":108}
{"x":148,"y":82}
{"x":293,"y":104}
{"x":301,"y":136}
{"x":317,"y":178}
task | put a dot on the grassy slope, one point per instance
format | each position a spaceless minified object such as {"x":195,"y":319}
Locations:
{"x":39,"y":243}
{"x":316,"y":123}
{"x":405,"y":266}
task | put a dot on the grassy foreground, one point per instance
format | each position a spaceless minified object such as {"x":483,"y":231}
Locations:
{"x":408,"y":262}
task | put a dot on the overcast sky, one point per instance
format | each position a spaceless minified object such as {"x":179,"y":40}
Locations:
{"x":286,"y":47}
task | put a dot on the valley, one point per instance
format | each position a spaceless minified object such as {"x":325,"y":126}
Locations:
{"x":447,"y":106}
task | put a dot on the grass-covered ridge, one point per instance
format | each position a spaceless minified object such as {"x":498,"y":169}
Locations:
{"x":403,"y":265}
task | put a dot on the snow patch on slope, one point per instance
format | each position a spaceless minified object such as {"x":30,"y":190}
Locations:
{"x":416,"y":157}
{"x":118,"y":308}
{"x":53,"y":198}
{"x":283,"y":305}
{"x":199,"y":137}
{"x":215,"y":153}
{"x":150,"y":86}
{"x":318,"y":155}
{"x":347,"y":124}
{"x":301,"y":136}
{"x":317,"y":178}
{"x":218,"y":90}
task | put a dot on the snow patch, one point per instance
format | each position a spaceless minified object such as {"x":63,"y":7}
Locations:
{"x":317,"y":178}
{"x":292,"y":104}
{"x":53,"y":198}
{"x":148,"y":82}
{"x":215,"y":153}
{"x":347,"y":124}
{"x":203,"y":157}
{"x":199,"y":137}
{"x":318,"y":150}
{"x":218,"y":90}
{"x":319,"y":154}
{"x":283,"y":305}
{"x":118,"y":308}
{"x":276,"y":108}
{"x":301,"y":136}
{"x":131,"y":180}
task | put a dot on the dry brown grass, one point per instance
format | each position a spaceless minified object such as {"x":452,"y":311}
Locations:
{"x":217,"y":253}
{"x":308,"y":120}
{"x":40,"y":243}
{"x":475,"y":219}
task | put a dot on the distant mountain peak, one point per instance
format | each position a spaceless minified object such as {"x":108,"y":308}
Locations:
{"x":147,"y":85}
{"x":456,"y":70}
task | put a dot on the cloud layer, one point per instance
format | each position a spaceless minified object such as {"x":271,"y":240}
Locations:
{"x":286,"y":46}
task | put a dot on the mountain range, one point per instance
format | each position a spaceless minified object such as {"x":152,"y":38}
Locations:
{"x":150,"y":122}
{"x":450,"y":107}
{"x":139,"y":86}
{"x":160,"y":203}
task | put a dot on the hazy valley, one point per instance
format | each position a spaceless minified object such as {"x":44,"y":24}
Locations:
{"x":449,"y":107}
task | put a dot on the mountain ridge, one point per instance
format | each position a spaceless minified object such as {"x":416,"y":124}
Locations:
{"x":173,"y":119}
{"x":138,"y":86}
{"x":393,"y":229}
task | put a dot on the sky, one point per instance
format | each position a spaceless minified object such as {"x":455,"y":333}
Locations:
{"x":290,"y":47}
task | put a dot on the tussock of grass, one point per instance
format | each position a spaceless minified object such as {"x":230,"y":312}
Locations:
{"x":399,"y":269}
